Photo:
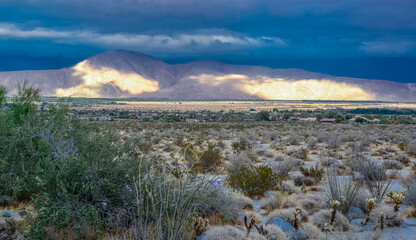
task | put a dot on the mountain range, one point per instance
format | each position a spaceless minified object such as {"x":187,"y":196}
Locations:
{"x":121,"y":74}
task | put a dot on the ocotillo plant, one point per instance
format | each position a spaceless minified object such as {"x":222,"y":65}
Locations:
{"x":334,"y":204}
{"x":261,"y":230}
{"x":249,"y":226}
{"x":296,"y":220}
{"x":397,"y":198}
{"x":370,"y":204}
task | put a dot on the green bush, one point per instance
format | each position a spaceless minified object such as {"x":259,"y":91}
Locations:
{"x":301,"y":153}
{"x":241,"y":145}
{"x":205,"y":161}
{"x":316,"y":172}
{"x":254,"y":181}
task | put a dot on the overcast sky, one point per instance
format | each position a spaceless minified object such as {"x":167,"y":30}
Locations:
{"x":359,"y":38}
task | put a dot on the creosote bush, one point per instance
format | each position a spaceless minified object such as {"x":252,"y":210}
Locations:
{"x":316,"y":172}
{"x":254,"y":181}
{"x":203,"y":161}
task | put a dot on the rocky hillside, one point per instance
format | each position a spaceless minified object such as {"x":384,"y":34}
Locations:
{"x":120,"y":73}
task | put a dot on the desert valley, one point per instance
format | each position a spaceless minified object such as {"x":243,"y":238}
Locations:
{"x":207,"y":120}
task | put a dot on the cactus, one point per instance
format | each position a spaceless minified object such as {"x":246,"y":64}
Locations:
{"x":296,"y":212}
{"x":382,"y":218}
{"x":370,"y":204}
{"x":334,"y":204}
{"x":327,"y":227}
{"x":303,"y":188}
{"x":397,"y":198}
{"x":201,"y":225}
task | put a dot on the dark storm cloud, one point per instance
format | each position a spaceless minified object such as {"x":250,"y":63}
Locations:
{"x":231,"y":29}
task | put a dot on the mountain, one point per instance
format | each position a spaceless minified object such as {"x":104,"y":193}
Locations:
{"x":120,"y":73}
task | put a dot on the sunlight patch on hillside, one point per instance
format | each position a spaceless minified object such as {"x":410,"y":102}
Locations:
{"x":94,"y":79}
{"x":307,"y":89}
{"x":282,"y":89}
{"x":212,"y":80}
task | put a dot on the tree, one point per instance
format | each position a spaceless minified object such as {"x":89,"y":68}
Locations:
{"x":263,"y":116}
{"x":3,"y":92}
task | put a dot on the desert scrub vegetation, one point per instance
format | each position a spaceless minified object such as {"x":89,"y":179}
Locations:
{"x":254,"y":181}
{"x":84,"y":181}
{"x":204,"y":160}
{"x":133,"y":179}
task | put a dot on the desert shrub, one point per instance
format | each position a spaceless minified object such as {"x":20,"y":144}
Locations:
{"x":238,"y":162}
{"x":265,"y":152}
{"x":85,"y":190}
{"x":279,"y":157}
{"x":308,"y":231}
{"x":287,"y":215}
{"x":300,"y":153}
{"x":411,"y":148}
{"x":390,"y":149}
{"x":308,"y":181}
{"x":3,"y":92}
{"x":178,"y":140}
{"x":392,"y":218}
{"x":312,"y":143}
{"x":272,"y":232}
{"x":283,"y":168}
{"x":223,"y":233}
{"x":403,"y":159}
{"x":203,"y":161}
{"x":143,"y":145}
{"x":374,"y":177}
{"x":254,"y":180}
{"x":168,"y":148}
{"x":209,"y":159}
{"x":274,"y":201}
{"x":411,"y":193}
{"x":402,"y":146}
{"x":287,"y":187}
{"x":294,"y":139}
{"x":250,"y":154}
{"x":165,"y":204}
{"x":340,"y":223}
{"x":392,"y":164}
{"x":242,"y":202}
{"x":241,"y":145}
{"x":345,"y":191}
{"x":334,"y":142}
{"x":311,"y":202}
{"x":410,"y":213}
{"x":316,"y":172}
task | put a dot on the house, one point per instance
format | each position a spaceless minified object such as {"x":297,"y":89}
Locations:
{"x":375,"y":120}
{"x":191,"y":120}
{"x":328,"y":120}
{"x":310,"y":119}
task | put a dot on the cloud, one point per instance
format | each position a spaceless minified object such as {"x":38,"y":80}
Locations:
{"x":200,"y":41}
{"x":388,"y":47}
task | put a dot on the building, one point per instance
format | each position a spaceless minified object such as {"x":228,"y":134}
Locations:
{"x":310,"y":119}
{"x":328,"y":120}
{"x":191,"y":120}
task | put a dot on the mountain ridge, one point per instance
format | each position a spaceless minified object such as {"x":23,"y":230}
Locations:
{"x":121,"y":73}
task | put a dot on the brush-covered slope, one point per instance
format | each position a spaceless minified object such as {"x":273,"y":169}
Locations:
{"x":122,"y":73}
